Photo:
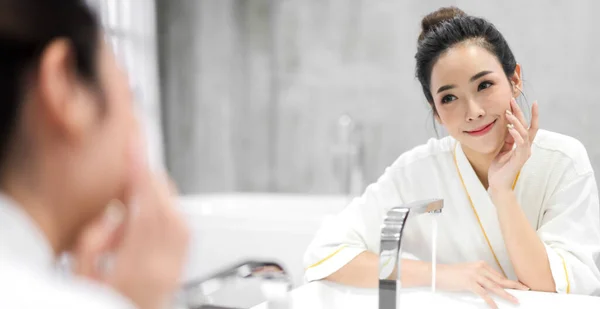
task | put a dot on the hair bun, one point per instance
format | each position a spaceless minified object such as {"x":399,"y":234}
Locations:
{"x":433,"y":19}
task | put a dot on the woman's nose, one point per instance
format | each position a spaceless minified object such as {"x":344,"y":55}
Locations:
{"x":474,"y":111}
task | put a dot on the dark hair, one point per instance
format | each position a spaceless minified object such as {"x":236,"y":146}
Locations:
{"x":448,"y":27}
{"x":26,"y":29}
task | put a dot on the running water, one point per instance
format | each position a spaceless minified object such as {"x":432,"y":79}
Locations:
{"x":434,"y":228}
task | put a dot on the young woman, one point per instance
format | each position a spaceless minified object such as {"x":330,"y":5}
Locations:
{"x":68,"y":147}
{"x":521,"y":204}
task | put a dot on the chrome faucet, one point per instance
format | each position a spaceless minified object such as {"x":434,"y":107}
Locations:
{"x":390,"y":251}
{"x":275,"y":285}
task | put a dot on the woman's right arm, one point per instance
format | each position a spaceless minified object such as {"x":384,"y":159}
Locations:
{"x":345,"y":250}
{"x":476,"y":277}
{"x":342,"y":242}
{"x":363,"y":271}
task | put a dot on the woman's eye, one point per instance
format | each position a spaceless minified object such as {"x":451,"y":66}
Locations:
{"x":448,"y":98}
{"x":484,"y":85}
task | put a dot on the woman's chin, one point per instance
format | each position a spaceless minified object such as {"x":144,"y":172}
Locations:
{"x":489,"y":147}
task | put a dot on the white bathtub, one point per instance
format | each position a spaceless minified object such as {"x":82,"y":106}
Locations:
{"x":228,"y":228}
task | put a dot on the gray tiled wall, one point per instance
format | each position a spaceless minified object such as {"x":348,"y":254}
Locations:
{"x":252,"y":89}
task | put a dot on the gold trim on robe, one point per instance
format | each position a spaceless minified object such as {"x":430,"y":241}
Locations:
{"x":484,"y":211}
{"x":326,"y":258}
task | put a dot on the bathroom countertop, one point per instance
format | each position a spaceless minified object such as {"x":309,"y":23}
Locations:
{"x":325,"y":295}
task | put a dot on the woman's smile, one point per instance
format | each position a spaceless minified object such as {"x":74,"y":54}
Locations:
{"x":482,"y":130}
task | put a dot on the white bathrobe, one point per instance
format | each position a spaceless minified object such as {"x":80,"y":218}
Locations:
{"x":29,"y":276}
{"x":556,"y":189}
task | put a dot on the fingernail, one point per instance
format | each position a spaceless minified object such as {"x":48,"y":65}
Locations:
{"x":508,"y":112}
{"x":510,"y":126}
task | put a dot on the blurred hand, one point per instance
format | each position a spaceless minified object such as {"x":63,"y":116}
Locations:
{"x":478,"y":278}
{"x":148,"y":242}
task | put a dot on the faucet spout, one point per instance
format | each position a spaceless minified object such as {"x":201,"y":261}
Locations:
{"x":275,"y":283}
{"x":390,"y":250}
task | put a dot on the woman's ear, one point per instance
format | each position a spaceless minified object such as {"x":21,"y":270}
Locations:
{"x":59,"y":94}
{"x":517,"y":82}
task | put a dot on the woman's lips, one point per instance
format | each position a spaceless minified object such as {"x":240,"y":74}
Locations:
{"x":482,"y":130}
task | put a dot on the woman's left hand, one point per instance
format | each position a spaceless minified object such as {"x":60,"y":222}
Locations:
{"x":506,"y":165}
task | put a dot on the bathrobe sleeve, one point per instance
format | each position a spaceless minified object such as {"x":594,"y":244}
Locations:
{"x":30,"y":288}
{"x":570,"y":230}
{"x":355,"y":230}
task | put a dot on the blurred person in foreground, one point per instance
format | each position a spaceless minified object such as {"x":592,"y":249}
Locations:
{"x":69,"y":146}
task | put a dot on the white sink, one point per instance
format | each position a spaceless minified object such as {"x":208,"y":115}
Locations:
{"x":324,"y":295}
{"x":232,"y":227}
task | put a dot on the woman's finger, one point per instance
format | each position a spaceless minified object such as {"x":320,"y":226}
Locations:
{"x":495,"y":276}
{"x":490,"y":272}
{"x":479,"y":290}
{"x":510,"y":284}
{"x":535,"y":122}
{"x":517,"y":125}
{"x":516,"y":135}
{"x":516,"y":110}
{"x":492,"y":287}
{"x":98,"y":239}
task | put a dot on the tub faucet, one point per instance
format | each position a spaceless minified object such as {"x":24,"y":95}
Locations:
{"x":390,"y":251}
{"x":348,"y":154}
{"x":275,"y":285}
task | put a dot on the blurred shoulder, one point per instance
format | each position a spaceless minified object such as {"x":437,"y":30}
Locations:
{"x":25,"y":288}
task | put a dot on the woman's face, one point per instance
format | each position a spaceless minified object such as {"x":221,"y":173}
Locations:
{"x":471,"y":95}
{"x":105,"y":125}
{"x":116,"y":124}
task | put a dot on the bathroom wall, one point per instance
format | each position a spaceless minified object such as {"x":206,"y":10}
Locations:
{"x":130,"y":27}
{"x":252,"y":89}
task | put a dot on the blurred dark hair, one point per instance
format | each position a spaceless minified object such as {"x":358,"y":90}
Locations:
{"x":26,"y":29}
{"x":448,"y":27}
